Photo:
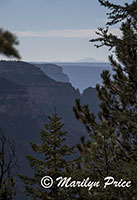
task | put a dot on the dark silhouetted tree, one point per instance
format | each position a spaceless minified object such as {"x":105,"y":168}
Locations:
{"x":8,"y":167}
{"x":113,"y":147}
{"x":7,"y":44}
{"x":54,"y":154}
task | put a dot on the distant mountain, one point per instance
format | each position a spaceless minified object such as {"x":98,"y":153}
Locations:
{"x":53,"y":71}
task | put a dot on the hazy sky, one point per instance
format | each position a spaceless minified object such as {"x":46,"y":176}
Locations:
{"x":55,"y":30}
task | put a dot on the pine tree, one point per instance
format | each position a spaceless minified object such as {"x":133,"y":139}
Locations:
{"x":113,"y":148}
{"x":55,"y":156}
{"x":7,"y":43}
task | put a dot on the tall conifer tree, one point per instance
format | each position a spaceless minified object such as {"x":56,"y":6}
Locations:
{"x":113,"y":148}
{"x":54,"y":154}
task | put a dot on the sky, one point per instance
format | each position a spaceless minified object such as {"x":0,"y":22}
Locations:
{"x":56,"y":30}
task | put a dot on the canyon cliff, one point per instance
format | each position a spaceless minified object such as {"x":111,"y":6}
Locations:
{"x":53,"y":71}
{"x":39,"y":94}
{"x":28,"y":97}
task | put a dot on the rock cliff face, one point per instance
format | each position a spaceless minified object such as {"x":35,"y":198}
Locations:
{"x":30,"y":92}
{"x":28,"y":96}
{"x":24,"y":73}
{"x":42,"y":91}
{"x":12,"y":95}
{"x":17,"y":112}
{"x":89,"y":97}
{"x":53,"y":71}
{"x":84,"y":75}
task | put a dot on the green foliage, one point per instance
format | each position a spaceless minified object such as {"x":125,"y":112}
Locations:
{"x":54,"y":154}
{"x":113,"y":148}
{"x":7,"y":189}
{"x":7,"y":43}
